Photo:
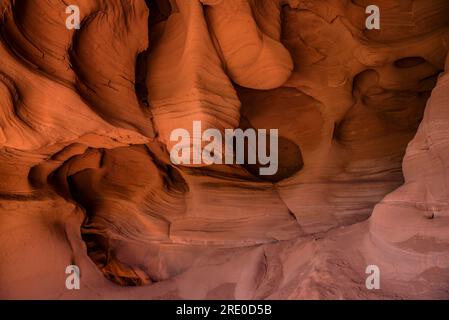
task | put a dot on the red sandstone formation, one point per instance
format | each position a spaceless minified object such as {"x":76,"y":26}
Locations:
{"x":86,"y":177}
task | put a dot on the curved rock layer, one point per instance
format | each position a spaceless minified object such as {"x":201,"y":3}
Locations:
{"x":86,"y":117}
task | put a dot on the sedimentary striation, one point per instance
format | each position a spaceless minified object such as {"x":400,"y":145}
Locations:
{"x":86,"y":176}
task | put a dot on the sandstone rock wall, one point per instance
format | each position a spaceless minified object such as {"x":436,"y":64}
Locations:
{"x":86,"y":178}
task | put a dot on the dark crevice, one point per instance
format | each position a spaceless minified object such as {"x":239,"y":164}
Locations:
{"x":141,"y":78}
{"x":290,"y":159}
{"x":160,"y":10}
{"x":409,"y":62}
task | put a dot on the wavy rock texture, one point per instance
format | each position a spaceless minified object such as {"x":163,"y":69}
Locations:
{"x":85,"y":123}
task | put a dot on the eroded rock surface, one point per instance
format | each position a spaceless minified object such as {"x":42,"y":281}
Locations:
{"x":86,"y":178}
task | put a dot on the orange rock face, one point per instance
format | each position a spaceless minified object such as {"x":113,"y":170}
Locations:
{"x":87,"y":117}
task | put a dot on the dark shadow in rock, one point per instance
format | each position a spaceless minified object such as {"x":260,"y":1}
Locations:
{"x":290,"y":160}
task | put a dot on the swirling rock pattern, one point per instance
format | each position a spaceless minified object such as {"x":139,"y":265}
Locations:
{"x":85,"y":123}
